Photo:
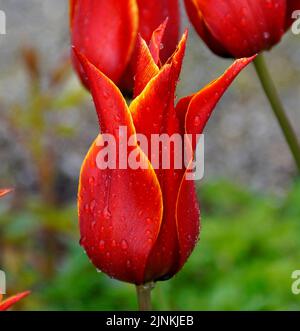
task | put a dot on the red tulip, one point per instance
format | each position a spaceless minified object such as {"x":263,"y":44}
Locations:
{"x":241,"y":28}
{"x":140,"y":225}
{"x":106,"y":31}
{"x":4,"y":305}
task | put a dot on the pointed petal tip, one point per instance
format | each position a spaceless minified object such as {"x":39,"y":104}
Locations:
{"x":164,"y":23}
{"x":5,"y":191}
{"x":247,"y":60}
{"x":13,"y":300}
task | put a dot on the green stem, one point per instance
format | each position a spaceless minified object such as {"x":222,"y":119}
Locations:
{"x":277,"y":107}
{"x":144,"y":296}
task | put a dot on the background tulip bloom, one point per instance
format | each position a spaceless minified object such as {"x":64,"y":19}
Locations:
{"x":141,"y":225}
{"x":106,"y":32}
{"x":241,"y":28}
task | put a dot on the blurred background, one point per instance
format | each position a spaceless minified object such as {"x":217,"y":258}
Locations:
{"x":250,"y":198}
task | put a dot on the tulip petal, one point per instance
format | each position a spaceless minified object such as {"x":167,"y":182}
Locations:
{"x":120,"y":211}
{"x":152,"y":107}
{"x":4,"y":305}
{"x":204,"y":102}
{"x":72,"y":4}
{"x":198,"y":111}
{"x":199,"y":24}
{"x":105,"y":32}
{"x":156,"y":41}
{"x":5,"y":191}
{"x":146,"y":59}
{"x":247,"y":27}
{"x":292,"y":5}
{"x":153,"y":113}
{"x":152,"y":14}
{"x":188,"y":219}
{"x":146,"y":68}
{"x":181,"y":109}
{"x":155,"y":106}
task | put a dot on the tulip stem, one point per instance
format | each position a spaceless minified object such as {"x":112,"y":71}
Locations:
{"x":277,"y":107}
{"x":144,"y":296}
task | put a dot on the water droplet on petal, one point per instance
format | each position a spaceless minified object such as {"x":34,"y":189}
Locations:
{"x":92,"y":180}
{"x":197,"y":121}
{"x":92,"y":205}
{"x":106,"y":213}
{"x":124,"y":245}
{"x":101,"y":245}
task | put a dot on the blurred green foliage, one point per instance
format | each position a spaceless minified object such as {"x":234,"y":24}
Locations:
{"x":249,"y":247}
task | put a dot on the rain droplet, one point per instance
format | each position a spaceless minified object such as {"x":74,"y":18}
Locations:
{"x":197,"y":121}
{"x":106,"y":213}
{"x":124,"y":245}
{"x":266,"y":35}
{"x":101,"y":245}
{"x":92,"y":205}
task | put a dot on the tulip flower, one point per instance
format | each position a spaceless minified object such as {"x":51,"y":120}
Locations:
{"x":106,"y":31}
{"x":8,"y":303}
{"x":243,"y":28}
{"x":140,"y":225}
